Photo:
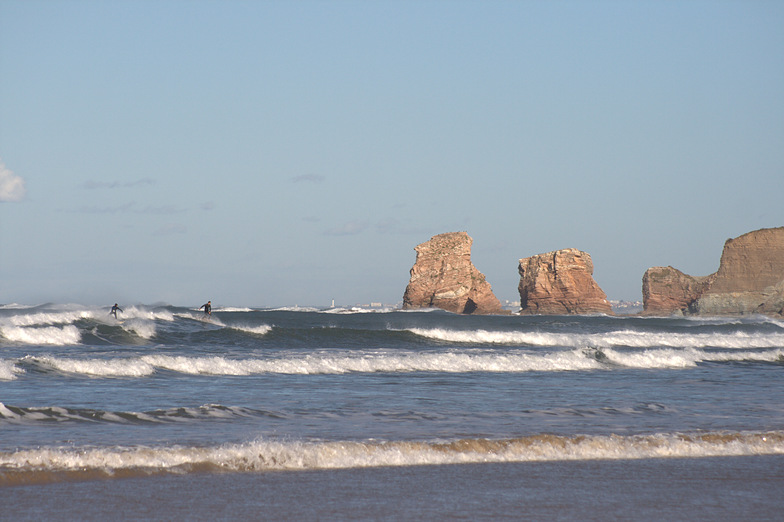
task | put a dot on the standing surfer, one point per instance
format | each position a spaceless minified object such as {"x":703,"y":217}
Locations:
{"x":207,"y":308}
{"x":115,"y":308}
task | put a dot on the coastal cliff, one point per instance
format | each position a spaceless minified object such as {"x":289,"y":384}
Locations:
{"x":444,"y":277}
{"x":560,"y":282}
{"x":666,"y":289}
{"x":750,"y":280}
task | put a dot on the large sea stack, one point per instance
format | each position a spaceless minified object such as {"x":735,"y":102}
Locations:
{"x":750,"y":280}
{"x":560,"y":282}
{"x":444,"y":277}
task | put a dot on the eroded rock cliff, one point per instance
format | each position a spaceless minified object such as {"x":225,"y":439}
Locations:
{"x":750,"y":280}
{"x":444,"y":277}
{"x":560,"y":282}
{"x":667,"y":290}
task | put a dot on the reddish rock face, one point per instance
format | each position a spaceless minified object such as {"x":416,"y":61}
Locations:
{"x":666,"y":290}
{"x":750,"y":280}
{"x":444,"y":277}
{"x":751,"y":262}
{"x":560,"y":282}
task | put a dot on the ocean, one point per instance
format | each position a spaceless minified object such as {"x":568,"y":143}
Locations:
{"x":357,"y":414}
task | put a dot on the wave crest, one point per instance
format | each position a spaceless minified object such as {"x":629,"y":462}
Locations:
{"x":403,"y":362}
{"x":627,"y":338}
{"x":266,"y":455}
{"x":48,"y":335}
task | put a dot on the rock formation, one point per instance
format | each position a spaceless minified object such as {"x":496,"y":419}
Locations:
{"x":667,"y":289}
{"x":750,"y":280}
{"x":560,"y":282}
{"x":444,"y":277}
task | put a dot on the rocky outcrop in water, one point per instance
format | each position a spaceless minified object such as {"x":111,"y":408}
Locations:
{"x":444,"y":277}
{"x":560,"y":282}
{"x":667,"y":289}
{"x":750,"y":280}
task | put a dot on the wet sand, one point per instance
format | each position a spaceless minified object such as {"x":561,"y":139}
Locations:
{"x":729,"y":488}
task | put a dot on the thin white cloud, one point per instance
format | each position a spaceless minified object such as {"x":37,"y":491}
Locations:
{"x":308,"y":178}
{"x":130,"y":207}
{"x":395,"y":226}
{"x":92,"y":185}
{"x":117,"y":209}
{"x":347,"y":229}
{"x":12,"y":187}
{"x":164,"y":209}
{"x":171,"y":229}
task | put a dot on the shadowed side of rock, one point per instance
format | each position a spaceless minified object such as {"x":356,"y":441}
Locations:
{"x":444,"y":277}
{"x":560,"y":282}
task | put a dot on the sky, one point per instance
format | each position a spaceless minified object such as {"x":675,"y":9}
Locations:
{"x":274,"y":153}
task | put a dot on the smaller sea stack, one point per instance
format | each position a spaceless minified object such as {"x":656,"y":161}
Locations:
{"x":560,"y":282}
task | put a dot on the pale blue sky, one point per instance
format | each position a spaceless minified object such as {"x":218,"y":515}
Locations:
{"x":278,"y":153}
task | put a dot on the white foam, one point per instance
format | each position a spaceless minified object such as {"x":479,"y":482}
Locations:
{"x":48,"y":335}
{"x":266,"y":455}
{"x":630,"y":338}
{"x":133,"y":312}
{"x":201,"y":317}
{"x":258,"y":330}
{"x":326,"y":363}
{"x":356,"y":310}
{"x":142,"y":328}
{"x":70,"y":316}
{"x":16,"y":306}
{"x":451,"y":361}
{"x":8,"y":370}
{"x":6,"y":413}
{"x":42,"y":318}
{"x":771,"y":320}
{"x":294,"y":309}
{"x":685,"y":358}
{"x":131,"y":367}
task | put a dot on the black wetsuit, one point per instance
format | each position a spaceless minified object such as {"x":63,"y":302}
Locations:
{"x":207,"y":308}
{"x":114,"y":311}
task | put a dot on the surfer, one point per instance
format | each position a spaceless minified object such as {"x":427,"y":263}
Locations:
{"x":207,"y":308}
{"x":115,"y":308}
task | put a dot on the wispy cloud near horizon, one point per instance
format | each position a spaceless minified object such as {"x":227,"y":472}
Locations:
{"x":92,"y":184}
{"x":128,"y":208}
{"x":170,"y":229}
{"x":12,"y":187}
{"x":395,"y":226}
{"x":347,"y":229}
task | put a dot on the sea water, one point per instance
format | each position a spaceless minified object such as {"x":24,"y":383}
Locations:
{"x":354,"y":414}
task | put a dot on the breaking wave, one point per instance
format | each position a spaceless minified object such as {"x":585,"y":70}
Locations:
{"x":357,"y":310}
{"x":8,"y":370}
{"x":404,"y":362}
{"x":46,"y":335}
{"x":629,"y":338}
{"x":258,"y":330}
{"x":46,"y":464}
